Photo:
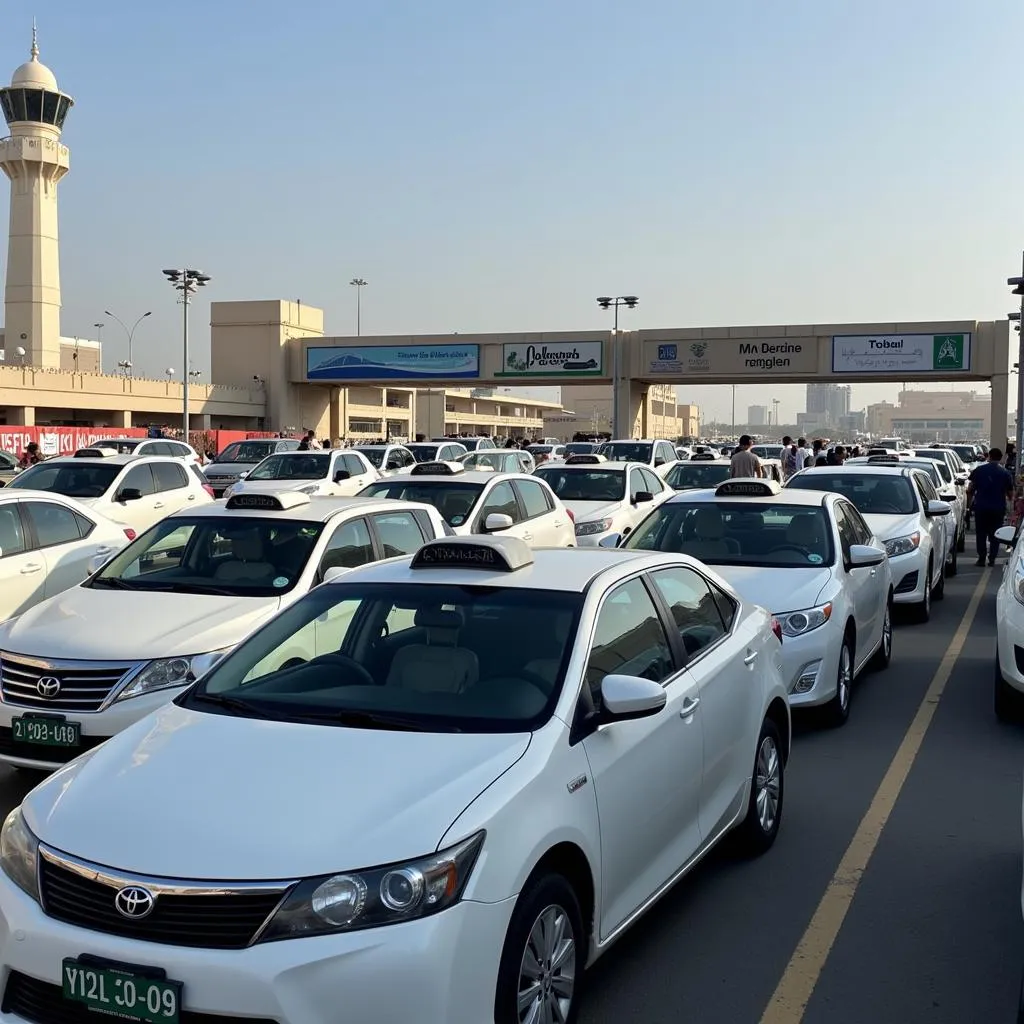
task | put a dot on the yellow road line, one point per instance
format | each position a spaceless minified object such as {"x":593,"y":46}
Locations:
{"x":789,"y":1001}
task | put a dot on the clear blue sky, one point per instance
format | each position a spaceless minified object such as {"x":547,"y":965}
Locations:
{"x":494,"y":166}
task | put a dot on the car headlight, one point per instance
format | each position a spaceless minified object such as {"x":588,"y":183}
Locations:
{"x":589,"y":528}
{"x":309,"y":489}
{"x":1018,"y":581}
{"x":165,"y":673}
{"x":378,"y":896}
{"x":902,"y":545}
{"x":19,"y":849}
{"x":803,"y":621}
{"x":228,"y":491}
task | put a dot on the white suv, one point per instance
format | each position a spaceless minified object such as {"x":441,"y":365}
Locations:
{"x":657,"y":454}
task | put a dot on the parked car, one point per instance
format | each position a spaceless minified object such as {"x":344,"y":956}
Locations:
{"x":240,"y":458}
{"x":341,"y":472}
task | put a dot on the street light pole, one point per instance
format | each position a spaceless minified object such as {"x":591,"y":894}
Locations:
{"x":1018,"y":289}
{"x":359,"y":285}
{"x":733,"y":424}
{"x":187,"y":281}
{"x":606,"y":301}
{"x":130,"y":331}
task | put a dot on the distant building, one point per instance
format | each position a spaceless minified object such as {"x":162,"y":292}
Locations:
{"x":827,"y":404}
{"x":588,"y":408}
{"x":757,"y":415}
{"x":925,"y":416}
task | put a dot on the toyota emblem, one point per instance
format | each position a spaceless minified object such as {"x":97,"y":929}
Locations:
{"x":134,"y":902}
{"x":48,"y":687}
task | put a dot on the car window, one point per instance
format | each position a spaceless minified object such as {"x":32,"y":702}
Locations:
{"x":847,"y":534}
{"x":54,"y":524}
{"x":349,"y":546}
{"x":7,"y":461}
{"x":651,"y":482}
{"x":352,"y":463}
{"x":692,"y":606}
{"x":286,"y":466}
{"x":698,"y":474}
{"x":626,"y":451}
{"x":76,"y":478}
{"x":629,"y":639}
{"x":726,"y":606}
{"x":398,"y":532}
{"x":453,"y":498}
{"x":170,"y":476}
{"x":571,"y":484}
{"x":535,"y":498}
{"x":500,"y":499}
{"x":12,"y":534}
{"x":860,"y":528}
{"x":138,"y":478}
{"x":876,"y":493}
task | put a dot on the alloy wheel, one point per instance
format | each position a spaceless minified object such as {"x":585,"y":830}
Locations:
{"x":547,"y":975}
{"x":767,"y":783}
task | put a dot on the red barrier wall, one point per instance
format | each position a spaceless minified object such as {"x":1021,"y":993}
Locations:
{"x":65,"y":440}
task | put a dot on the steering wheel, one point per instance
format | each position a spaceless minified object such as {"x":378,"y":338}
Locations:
{"x":363,"y":678}
{"x":292,"y":663}
{"x":790,"y":547}
{"x":523,"y":675}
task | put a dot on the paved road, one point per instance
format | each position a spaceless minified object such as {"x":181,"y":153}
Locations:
{"x":934,"y":932}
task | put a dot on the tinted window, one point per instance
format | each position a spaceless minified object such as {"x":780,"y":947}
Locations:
{"x":351,"y":464}
{"x":139,"y":478}
{"x":398,"y":533}
{"x":425,"y":452}
{"x":12,"y":536}
{"x":887,"y":494}
{"x":501,"y":499}
{"x":248,"y":451}
{"x":454,"y":499}
{"x":535,"y":499}
{"x":349,"y":546}
{"x":375,"y":456}
{"x":33,"y":104}
{"x":169,"y":476}
{"x":78,"y":479}
{"x":7,"y":461}
{"x":651,"y":482}
{"x":861,"y":530}
{"x":726,"y":605}
{"x":626,"y":451}
{"x":693,"y":608}
{"x":692,"y":475}
{"x":734,"y":533}
{"x":629,"y":639}
{"x":121,"y":445}
{"x":53,"y":524}
{"x":584,"y":484}
{"x":301,"y":466}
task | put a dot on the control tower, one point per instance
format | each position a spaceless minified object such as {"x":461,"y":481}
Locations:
{"x":34,"y":159}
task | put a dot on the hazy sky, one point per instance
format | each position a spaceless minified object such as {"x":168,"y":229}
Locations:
{"x":493,"y":166}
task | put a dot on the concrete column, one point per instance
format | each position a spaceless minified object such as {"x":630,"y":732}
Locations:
{"x":21,"y":416}
{"x":123,"y":420}
{"x":999,"y":413}
{"x":205,"y":421}
{"x":334,"y":417}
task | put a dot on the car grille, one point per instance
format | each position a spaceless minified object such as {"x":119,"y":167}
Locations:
{"x":44,"y":753}
{"x":43,"y":1003}
{"x":201,"y":915}
{"x":84,"y":685}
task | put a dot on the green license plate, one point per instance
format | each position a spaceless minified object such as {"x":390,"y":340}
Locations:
{"x":122,"y":992}
{"x":46,"y":732}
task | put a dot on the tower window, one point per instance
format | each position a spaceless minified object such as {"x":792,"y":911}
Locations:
{"x":50,"y":101}
{"x":63,"y":106}
{"x":5,"y":101}
{"x":17,"y":98}
{"x":33,"y":104}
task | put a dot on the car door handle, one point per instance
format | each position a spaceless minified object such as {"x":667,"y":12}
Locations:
{"x":689,"y":706}
{"x":31,"y":568}
{"x":526,"y":536}
{"x":750,"y":658}
{"x":191,"y":497}
{"x":158,"y":504}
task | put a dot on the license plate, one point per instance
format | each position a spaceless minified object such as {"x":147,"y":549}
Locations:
{"x":46,"y":732}
{"x":122,"y":993}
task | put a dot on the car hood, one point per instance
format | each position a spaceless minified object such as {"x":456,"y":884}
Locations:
{"x":228,"y":468}
{"x":93,"y":624}
{"x":778,"y":590}
{"x":269,"y":800}
{"x":248,"y":486}
{"x":886,"y":527}
{"x":584,"y":511}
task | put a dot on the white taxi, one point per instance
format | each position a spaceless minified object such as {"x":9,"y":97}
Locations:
{"x":604,"y":497}
{"x":426,"y":819}
{"x":704,"y":470}
{"x":658,"y":455}
{"x":136,"y":490}
{"x":47,"y":544}
{"x":87,"y":663}
{"x":901,"y":508}
{"x":1009,"y":668}
{"x":808,"y":555}
{"x":340,"y":473}
{"x":482,"y":501}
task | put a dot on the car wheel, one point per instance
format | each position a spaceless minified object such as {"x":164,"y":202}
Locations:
{"x":838,"y":708}
{"x":767,"y":790}
{"x":884,"y":653}
{"x":961,"y":541}
{"x":940,"y":588}
{"x":951,"y":564}
{"x":541,"y":967}
{"x":1007,"y":701}
{"x":923,"y":608}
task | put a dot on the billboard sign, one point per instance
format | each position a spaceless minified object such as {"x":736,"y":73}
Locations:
{"x":753,"y":357}
{"x":897,"y":354}
{"x":393,"y":362}
{"x":575,"y":359}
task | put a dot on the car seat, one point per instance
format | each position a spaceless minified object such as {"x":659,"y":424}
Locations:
{"x":439,"y":665}
{"x":248,"y":561}
{"x":708,"y":538}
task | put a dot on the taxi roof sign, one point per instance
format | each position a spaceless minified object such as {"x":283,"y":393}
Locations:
{"x":494,"y":554}
{"x":744,"y":487}
{"x":279,"y":501}
{"x":704,"y":457}
{"x":588,"y":459}
{"x":95,"y":453}
{"x":437,"y":469}
{"x":892,"y":459}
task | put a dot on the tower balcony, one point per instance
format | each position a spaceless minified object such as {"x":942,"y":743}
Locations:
{"x":35,"y":105}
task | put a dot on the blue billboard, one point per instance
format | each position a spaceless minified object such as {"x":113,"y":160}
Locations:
{"x":393,"y":362}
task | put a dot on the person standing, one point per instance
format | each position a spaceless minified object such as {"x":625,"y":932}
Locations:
{"x":990,"y":486}
{"x":744,"y":462}
{"x":804,"y":456}
{"x":791,"y":460}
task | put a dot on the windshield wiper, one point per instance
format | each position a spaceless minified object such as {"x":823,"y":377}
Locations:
{"x":231,"y":703}
{"x":373,"y":720}
{"x":114,"y":582}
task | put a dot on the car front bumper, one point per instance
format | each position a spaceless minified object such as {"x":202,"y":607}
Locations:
{"x":1010,"y":637}
{"x":810,"y":665}
{"x":910,"y":576}
{"x":436,"y":970}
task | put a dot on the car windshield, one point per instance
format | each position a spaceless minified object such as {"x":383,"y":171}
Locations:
{"x":489,"y":459}
{"x":78,"y":479}
{"x":424,"y":452}
{"x":627,"y":451}
{"x":688,"y":475}
{"x":301,"y":466}
{"x":121,"y":445}
{"x":244,"y":556}
{"x":404,"y":656}
{"x":454,"y":499}
{"x":738,"y":533}
{"x":7,"y":461}
{"x":245,"y":451}
{"x":881,"y":494}
{"x":375,"y":456}
{"x":581,"y":448}
{"x":966,"y":452}
{"x":584,"y":484}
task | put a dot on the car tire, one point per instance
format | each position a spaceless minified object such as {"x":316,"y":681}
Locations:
{"x":940,"y":588}
{"x":546,"y":915}
{"x":1006,"y":700}
{"x":883,"y":655}
{"x":837,"y":710}
{"x":951,"y":567}
{"x":758,"y":830}
{"x":922,"y":611}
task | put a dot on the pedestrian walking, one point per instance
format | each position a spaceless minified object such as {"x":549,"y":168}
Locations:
{"x":988,"y":490}
{"x":744,"y":462}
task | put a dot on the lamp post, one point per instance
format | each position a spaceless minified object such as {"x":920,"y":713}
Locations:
{"x":775,"y":406}
{"x":732,"y":425}
{"x":187,"y":282}
{"x":130,"y":331}
{"x":359,"y":284}
{"x":606,"y":302}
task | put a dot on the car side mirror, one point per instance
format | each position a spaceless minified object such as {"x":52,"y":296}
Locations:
{"x":624,"y":698}
{"x":1005,"y":535}
{"x":642,"y":497}
{"x":497,"y":521}
{"x":341,"y":474}
{"x":961,"y":478}
{"x":947,"y":497}
{"x":330,"y":575}
{"x":659,"y":461}
{"x":611,"y":541}
{"x":864,"y":555}
{"x":938,"y":508}
{"x":128,"y":494}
